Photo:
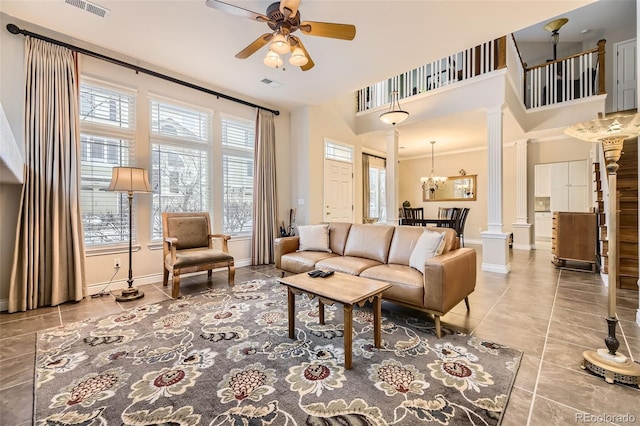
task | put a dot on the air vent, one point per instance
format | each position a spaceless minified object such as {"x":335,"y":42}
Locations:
{"x":89,"y":7}
{"x":271,"y":83}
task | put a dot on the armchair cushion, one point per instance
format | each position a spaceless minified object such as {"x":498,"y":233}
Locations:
{"x":192,"y":257}
{"x":191,"y":231}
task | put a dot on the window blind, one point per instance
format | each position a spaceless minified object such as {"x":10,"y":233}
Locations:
{"x":107,"y":125}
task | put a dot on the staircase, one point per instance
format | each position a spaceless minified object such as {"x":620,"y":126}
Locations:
{"x":627,"y":185}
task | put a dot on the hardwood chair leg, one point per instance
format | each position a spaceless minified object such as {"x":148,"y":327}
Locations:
{"x":466,"y":302}
{"x":438,"y":330}
{"x":165,"y":277}
{"x":175,"y":291}
{"x":232,"y":273}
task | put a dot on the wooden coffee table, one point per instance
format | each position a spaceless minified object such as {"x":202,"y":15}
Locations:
{"x":346,"y":289}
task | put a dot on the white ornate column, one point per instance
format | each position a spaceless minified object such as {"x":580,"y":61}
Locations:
{"x":392,"y":183}
{"x":522,"y":229}
{"x":495,"y":245}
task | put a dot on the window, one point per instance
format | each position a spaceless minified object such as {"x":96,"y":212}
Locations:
{"x":180,"y":155}
{"x":377,"y":196}
{"x":238,"y":141}
{"x":334,"y":151}
{"x":106,"y":136}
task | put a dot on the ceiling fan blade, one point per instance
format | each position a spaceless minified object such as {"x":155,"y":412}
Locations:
{"x":235,"y":10}
{"x":292,"y":5}
{"x":328,"y":29}
{"x":255,"y":46}
{"x":308,"y":65}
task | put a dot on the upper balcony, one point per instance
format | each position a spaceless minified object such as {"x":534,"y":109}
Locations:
{"x":490,"y":74}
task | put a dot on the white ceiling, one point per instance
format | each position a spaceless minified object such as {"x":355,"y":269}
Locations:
{"x":191,"y":39}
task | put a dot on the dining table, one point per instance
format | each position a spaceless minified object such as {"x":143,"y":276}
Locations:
{"x":440,"y":223}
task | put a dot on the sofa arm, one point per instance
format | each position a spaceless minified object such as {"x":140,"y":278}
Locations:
{"x":284,"y":245}
{"x":448,"y":279}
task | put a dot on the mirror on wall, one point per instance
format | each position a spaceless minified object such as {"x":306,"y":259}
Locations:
{"x":455,"y":188}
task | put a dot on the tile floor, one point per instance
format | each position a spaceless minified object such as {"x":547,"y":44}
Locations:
{"x":552,"y":315}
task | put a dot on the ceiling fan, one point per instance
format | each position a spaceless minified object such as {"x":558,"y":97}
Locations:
{"x":283,"y":18}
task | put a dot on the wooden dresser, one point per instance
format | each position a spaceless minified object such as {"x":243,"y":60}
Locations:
{"x":573,"y":237}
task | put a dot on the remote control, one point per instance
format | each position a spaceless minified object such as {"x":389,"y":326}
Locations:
{"x":315,"y":274}
{"x":326,"y":274}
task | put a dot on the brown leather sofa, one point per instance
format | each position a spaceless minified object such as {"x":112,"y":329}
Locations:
{"x":382,"y":252}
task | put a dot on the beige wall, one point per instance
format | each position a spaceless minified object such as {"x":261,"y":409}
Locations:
{"x":553,"y":149}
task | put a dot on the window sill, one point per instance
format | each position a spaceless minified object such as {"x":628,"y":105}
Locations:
{"x":101,"y":251}
{"x":155,"y":245}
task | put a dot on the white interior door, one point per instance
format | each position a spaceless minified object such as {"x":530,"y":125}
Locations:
{"x":626,"y":75}
{"x":338,"y":191}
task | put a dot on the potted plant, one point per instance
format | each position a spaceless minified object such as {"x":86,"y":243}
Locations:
{"x":406,"y":204}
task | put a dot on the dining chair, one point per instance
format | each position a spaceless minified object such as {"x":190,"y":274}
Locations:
{"x":413,"y":215}
{"x":462,"y":218}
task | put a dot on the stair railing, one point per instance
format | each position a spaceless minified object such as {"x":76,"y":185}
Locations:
{"x":565,"y":79}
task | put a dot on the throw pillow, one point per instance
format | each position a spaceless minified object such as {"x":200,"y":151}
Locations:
{"x":426,"y":248}
{"x":314,"y":237}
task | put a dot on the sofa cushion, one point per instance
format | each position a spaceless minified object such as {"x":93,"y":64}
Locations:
{"x":347,"y":264}
{"x":408,"y":284}
{"x":369,"y":241}
{"x":303,"y":261}
{"x":451,"y":241}
{"x":429,"y":244}
{"x":402,"y":244}
{"x":314,"y":237}
{"x":338,"y":232}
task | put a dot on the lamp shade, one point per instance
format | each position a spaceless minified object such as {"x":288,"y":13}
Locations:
{"x":298,"y":58}
{"x":129,"y":179}
{"x":394,"y":117}
{"x":280,"y":44}
{"x":272,"y":59}
{"x":620,"y":126}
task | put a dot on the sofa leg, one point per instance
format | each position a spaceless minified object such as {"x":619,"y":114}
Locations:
{"x":232,"y":274}
{"x":438,"y":330}
{"x":175,"y":290}
{"x":466,"y":302}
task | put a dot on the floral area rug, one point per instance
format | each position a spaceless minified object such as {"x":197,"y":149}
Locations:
{"x":225,"y":358}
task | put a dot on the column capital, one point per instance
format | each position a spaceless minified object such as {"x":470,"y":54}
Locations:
{"x":493,"y":109}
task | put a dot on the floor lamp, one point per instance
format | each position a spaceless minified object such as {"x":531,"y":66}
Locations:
{"x":129,"y":180}
{"x":611,"y":132}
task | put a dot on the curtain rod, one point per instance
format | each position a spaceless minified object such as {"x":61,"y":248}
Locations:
{"x":13,"y":29}
{"x":373,"y":155}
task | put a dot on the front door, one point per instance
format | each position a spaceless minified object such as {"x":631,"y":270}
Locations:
{"x":338,"y":191}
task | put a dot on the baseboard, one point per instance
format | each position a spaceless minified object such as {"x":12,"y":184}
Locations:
{"x":501,"y":269}
{"x":472,"y":241}
{"x":96,"y":288}
{"x":524,"y":247}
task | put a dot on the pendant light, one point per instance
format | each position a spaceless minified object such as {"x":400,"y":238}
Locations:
{"x":395,"y":115}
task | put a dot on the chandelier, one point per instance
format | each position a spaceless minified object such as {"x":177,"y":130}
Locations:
{"x":395,"y":115}
{"x":432,"y":182}
{"x":281,"y":44}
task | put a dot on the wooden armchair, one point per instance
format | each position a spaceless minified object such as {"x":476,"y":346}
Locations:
{"x":188,"y":247}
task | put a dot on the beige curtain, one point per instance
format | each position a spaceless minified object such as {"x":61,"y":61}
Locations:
{"x":48,"y":263}
{"x":366,"y":187}
{"x":265,"y":200}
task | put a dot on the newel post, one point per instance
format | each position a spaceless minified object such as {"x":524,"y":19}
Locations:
{"x":601,"y":75}
{"x":502,"y":53}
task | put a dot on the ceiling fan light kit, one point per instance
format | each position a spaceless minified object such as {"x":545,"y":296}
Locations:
{"x":280,"y":44}
{"x":283,"y":19}
{"x":272,"y":60}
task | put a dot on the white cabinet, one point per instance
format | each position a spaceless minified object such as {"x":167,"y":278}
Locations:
{"x":542,"y":180}
{"x":543,"y":224}
{"x":569,"y":186}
